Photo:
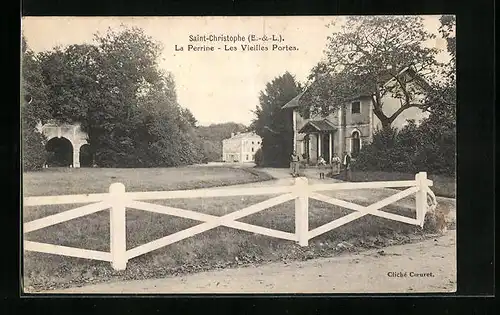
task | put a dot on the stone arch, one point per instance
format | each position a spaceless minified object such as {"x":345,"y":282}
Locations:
{"x":61,"y":150}
{"x":86,"y":157}
{"x":71,"y":132}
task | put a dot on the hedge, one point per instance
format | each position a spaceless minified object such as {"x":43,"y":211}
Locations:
{"x":411,"y":149}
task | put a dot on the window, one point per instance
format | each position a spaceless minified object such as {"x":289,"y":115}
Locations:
{"x":343,"y":115}
{"x":252,"y":142}
{"x":258,"y":142}
{"x":355,"y":144}
{"x":252,"y":149}
{"x":247,"y":157}
{"x":356,"y":108}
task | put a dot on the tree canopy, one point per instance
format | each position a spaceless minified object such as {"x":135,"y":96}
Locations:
{"x":364,"y":55}
{"x":272,"y":123}
{"x":123,"y":101}
{"x":33,"y":108}
{"x":431,"y":145}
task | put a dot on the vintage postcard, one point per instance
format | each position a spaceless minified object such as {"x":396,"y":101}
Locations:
{"x":277,"y":154}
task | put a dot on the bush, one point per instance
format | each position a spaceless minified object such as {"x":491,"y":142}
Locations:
{"x":259,"y":161}
{"x":426,"y":147}
{"x":212,"y":150}
{"x":33,"y":150}
{"x":440,"y":148}
{"x":435,"y":222}
{"x":378,"y":155}
{"x":276,"y":151}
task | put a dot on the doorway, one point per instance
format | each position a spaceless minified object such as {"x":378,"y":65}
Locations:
{"x":59,"y":152}
{"x":325,"y":147}
{"x":86,"y":157}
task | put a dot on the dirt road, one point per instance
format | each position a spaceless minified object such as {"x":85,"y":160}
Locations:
{"x":428,"y":266}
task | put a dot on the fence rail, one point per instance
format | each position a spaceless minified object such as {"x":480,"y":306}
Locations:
{"x":117,"y":200}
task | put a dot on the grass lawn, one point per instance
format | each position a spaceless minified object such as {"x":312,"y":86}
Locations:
{"x":218,"y":248}
{"x":444,"y":186}
{"x":65,"y":181}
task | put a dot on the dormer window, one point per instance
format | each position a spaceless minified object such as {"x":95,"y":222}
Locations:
{"x":356,"y":107}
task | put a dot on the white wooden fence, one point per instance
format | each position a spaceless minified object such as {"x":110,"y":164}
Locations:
{"x":117,"y":200}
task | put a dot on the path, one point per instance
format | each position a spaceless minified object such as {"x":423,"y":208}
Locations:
{"x":366,"y":272}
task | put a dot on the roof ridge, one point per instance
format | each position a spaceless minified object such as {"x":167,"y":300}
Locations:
{"x":312,"y":123}
{"x":294,"y":102}
{"x":329,"y":122}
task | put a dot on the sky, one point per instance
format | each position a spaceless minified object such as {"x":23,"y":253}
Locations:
{"x":221,"y":85}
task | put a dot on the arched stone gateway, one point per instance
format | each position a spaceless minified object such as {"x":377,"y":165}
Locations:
{"x":60,"y":152}
{"x":86,"y":157}
{"x":71,"y":132}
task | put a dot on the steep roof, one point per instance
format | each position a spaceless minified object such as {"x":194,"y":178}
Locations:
{"x":317,"y":125}
{"x":294,"y":102}
{"x":364,"y":91}
{"x":244,"y":135}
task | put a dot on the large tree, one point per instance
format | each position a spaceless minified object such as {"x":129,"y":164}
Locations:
{"x":447,"y":89}
{"x":34,"y":92}
{"x":364,"y":54}
{"x":97,"y":85}
{"x":166,"y":138}
{"x":272,"y":123}
{"x":447,"y":30}
{"x":442,"y":96}
{"x":123,"y":100}
{"x":431,"y":145}
{"x":439,"y":129}
{"x":33,"y":108}
{"x":189,"y":118}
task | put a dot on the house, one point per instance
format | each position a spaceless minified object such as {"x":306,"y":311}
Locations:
{"x":347,"y":129}
{"x":241,"y":147}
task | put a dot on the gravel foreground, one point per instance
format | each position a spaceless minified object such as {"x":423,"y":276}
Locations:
{"x":427,"y":266}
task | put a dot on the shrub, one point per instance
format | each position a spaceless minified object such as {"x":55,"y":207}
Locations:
{"x":378,"y":155}
{"x":426,"y":147}
{"x":259,"y":161}
{"x":212,"y":150}
{"x":435,"y":222}
{"x":33,"y":150}
{"x":276,"y":151}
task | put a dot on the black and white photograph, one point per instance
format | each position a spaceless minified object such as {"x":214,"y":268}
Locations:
{"x":238,"y":155}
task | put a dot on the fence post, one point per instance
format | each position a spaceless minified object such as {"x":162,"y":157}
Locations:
{"x":421,"y":196}
{"x":302,"y":211}
{"x":117,"y":228}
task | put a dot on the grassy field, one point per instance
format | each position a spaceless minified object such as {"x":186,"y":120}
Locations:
{"x":64,"y":181}
{"x":444,"y":186}
{"x":218,"y":248}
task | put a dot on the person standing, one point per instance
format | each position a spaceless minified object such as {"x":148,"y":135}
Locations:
{"x":294,"y":164}
{"x":335,"y":165}
{"x":346,"y":162}
{"x":321,"y":167}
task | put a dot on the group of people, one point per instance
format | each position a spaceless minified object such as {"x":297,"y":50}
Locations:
{"x":336,"y":164}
